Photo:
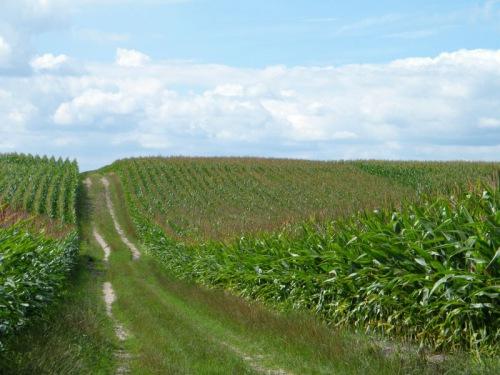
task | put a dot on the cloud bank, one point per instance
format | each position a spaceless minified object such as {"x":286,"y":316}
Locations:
{"x":442,"y":107}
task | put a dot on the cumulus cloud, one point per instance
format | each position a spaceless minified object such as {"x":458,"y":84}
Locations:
{"x":20,"y":20}
{"x":442,"y":107}
{"x":49,"y":62}
{"x":228,"y":90}
{"x":92,"y":104}
{"x":131,"y":58}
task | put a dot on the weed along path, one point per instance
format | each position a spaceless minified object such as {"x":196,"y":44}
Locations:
{"x":166,"y":326}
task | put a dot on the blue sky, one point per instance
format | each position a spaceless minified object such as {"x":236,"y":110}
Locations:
{"x":260,"y":33}
{"x":99,"y":80}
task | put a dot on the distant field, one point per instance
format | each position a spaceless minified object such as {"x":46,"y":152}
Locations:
{"x":195,"y":199}
{"x":38,"y":236}
{"x":334,"y":239}
{"x":434,"y":177}
{"x":198,"y":199}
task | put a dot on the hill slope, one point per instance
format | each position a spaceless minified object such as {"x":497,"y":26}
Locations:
{"x":341,"y":267}
{"x":194,"y":199}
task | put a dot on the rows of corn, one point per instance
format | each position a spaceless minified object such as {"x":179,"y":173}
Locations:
{"x":39,"y":185}
{"x":38,"y":236}
{"x":427,"y":270}
{"x":431,"y":177}
{"x":195,"y":199}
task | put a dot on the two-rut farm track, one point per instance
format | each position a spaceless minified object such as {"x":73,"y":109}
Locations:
{"x":253,"y":363}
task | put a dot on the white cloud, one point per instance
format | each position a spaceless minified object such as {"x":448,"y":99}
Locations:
{"x":49,"y":62}
{"x":480,"y":59}
{"x":131,"y":58}
{"x":228,"y":90}
{"x":93,"y":103}
{"x":21,"y":20}
{"x":442,"y":107}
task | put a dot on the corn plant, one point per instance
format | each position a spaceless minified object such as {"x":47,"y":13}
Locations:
{"x":32,"y":271}
{"x":33,"y":184}
{"x":36,"y":195}
{"x":428,"y":270}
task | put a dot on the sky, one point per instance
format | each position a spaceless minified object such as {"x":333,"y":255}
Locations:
{"x":99,"y":80}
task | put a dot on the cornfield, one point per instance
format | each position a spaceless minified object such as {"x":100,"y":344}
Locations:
{"x":34,"y":259}
{"x":427,"y":270}
{"x":432,"y":177}
{"x":198,"y":199}
{"x":39,"y":185}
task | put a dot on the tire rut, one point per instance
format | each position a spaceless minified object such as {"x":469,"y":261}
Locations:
{"x":253,"y":361}
{"x":109,"y":296}
{"x":136,"y":254}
